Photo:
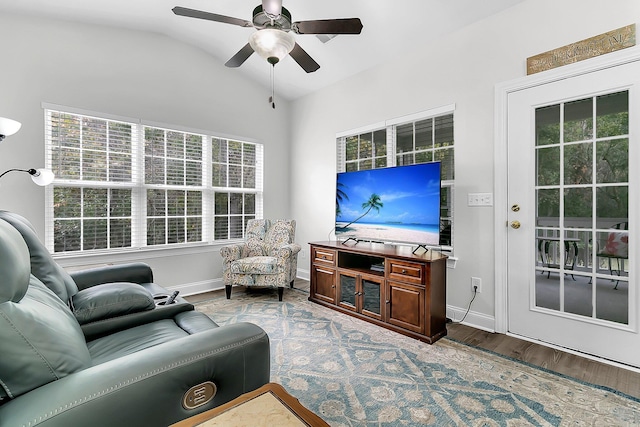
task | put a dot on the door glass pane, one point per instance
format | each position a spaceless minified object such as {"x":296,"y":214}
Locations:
{"x":612,"y":115}
{"x":548,"y":165}
{"x":612,"y":161}
{"x":348,"y":290}
{"x":578,"y":164}
{"x":548,"y":208}
{"x":371,"y":296}
{"x":582,"y":207}
{"x":612,"y":202}
{"x":548,"y":290}
{"x":548,"y":125}
{"x":577,"y":297}
{"x":577,"y":206}
{"x":611,"y":296}
{"x":578,"y":120}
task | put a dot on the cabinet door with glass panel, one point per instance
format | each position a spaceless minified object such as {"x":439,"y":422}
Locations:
{"x":361,"y":293}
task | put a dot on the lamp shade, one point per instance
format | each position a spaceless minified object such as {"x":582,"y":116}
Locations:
{"x":42,"y":177}
{"x":272,"y":44}
{"x":8,"y":127}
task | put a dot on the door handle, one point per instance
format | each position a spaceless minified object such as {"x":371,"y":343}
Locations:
{"x":515,"y":224}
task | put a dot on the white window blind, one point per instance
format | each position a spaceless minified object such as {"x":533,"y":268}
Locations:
{"x":237,"y":176}
{"x":121,"y":184}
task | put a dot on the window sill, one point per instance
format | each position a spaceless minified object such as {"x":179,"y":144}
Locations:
{"x":74,"y":259}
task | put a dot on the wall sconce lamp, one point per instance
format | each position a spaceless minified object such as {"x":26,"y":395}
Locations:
{"x":41,"y":177}
{"x":8,"y":127}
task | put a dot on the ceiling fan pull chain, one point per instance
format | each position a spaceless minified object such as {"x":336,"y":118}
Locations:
{"x":272,"y":98}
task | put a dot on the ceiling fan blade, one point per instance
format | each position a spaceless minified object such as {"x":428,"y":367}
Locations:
{"x":272,"y":7}
{"x":239,"y":58}
{"x":192,"y":13}
{"x":303,"y":59}
{"x":329,"y":26}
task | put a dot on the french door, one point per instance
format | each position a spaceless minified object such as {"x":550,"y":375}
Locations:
{"x":573,"y":160}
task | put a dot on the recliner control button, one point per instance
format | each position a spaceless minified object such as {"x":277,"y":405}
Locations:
{"x":199,"y":395}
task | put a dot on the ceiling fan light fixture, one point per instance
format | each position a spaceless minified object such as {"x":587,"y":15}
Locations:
{"x":272,"y":44}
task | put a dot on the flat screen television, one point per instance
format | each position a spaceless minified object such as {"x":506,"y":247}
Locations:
{"x":392,"y":205}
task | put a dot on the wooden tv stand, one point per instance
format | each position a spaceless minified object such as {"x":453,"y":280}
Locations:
{"x":386,"y":285}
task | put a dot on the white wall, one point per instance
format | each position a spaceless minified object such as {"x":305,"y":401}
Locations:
{"x":462,"y":68}
{"x":134,"y":74}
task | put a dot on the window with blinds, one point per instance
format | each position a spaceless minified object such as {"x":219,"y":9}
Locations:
{"x":366,"y":151}
{"x":122,"y":184}
{"x":235,"y":167}
{"x":420,"y":138}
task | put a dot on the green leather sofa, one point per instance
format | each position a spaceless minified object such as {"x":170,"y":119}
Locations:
{"x":100,"y":349}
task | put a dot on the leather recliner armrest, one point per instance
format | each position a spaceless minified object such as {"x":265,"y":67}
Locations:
{"x":147,"y":387}
{"x":110,"y":300}
{"x":93,"y":330}
{"x":137,"y":272}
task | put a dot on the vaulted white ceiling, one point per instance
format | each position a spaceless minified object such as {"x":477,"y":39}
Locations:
{"x":391,"y":29}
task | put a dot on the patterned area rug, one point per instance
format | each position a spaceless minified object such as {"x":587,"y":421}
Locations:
{"x":353,"y":373}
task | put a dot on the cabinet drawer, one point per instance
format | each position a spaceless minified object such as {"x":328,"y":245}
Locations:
{"x":407,"y":272}
{"x":323,"y":256}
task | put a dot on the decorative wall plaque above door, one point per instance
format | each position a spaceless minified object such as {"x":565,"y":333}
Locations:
{"x":595,"y":46}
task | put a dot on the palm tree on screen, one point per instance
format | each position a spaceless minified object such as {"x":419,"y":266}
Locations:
{"x":340,"y":196}
{"x":374,"y":202}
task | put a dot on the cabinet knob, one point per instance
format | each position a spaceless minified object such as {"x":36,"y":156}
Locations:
{"x":388,"y":302}
{"x":404,"y":271}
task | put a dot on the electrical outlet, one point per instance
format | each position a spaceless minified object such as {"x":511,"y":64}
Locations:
{"x":476,"y":283}
{"x":303,"y":254}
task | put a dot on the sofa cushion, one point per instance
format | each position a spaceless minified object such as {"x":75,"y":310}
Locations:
{"x":253,"y":247}
{"x":134,"y":340}
{"x":617,"y":245}
{"x":148,"y":335}
{"x":110,"y":300}
{"x":254,"y":238}
{"x":255,"y":265}
{"x":194,"y":322}
{"x":41,"y":341}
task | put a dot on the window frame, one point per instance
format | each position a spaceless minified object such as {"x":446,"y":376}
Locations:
{"x":139,"y":188}
{"x":390,"y":126}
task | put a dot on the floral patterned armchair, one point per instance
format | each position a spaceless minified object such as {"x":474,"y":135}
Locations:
{"x":268,"y":257}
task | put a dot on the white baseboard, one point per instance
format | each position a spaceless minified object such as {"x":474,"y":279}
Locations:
{"x":473,"y":319}
{"x":214,"y":285}
{"x":303,"y":274}
{"x":198,"y":287}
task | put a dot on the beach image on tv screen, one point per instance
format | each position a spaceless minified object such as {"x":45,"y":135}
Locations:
{"x":397,"y":204}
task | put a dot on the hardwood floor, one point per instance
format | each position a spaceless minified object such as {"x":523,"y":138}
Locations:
{"x":554,"y":360}
{"x":581,"y":368}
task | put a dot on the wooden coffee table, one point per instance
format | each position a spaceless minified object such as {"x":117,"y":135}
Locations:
{"x":268,"y":406}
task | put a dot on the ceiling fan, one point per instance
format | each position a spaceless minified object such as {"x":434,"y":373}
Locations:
{"x":273,"y":40}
